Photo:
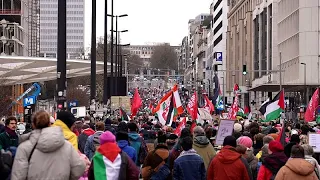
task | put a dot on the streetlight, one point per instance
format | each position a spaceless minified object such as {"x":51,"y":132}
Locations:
{"x":93,"y":54}
{"x":305,"y":82}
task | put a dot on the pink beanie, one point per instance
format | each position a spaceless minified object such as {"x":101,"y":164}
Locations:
{"x":107,"y":137}
{"x":245,"y":141}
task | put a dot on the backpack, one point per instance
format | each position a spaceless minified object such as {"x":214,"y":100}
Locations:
{"x":162,"y":173}
{"x":136,"y":145}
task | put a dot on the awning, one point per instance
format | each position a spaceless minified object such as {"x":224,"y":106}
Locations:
{"x":21,"y":70}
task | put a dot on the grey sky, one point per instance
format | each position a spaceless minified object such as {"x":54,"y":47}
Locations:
{"x":148,"y":20}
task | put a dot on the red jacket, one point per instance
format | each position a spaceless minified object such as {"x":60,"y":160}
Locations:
{"x":228,"y":165}
{"x":264,"y":173}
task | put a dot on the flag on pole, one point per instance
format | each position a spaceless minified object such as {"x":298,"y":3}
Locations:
{"x":271,"y":110}
{"x":208,"y":104}
{"x":217,"y":98}
{"x":124,"y":116}
{"x":136,"y":103}
{"x":310,"y":114}
{"x":192,"y":106}
{"x":180,"y":127}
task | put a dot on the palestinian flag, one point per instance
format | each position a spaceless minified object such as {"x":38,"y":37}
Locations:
{"x":217,"y":98}
{"x":241,"y":113}
{"x":271,"y":110}
{"x":124,"y":116}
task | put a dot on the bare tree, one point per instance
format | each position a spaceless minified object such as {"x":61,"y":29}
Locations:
{"x":164,"y":57}
{"x":78,"y":93}
{"x":5,"y":99}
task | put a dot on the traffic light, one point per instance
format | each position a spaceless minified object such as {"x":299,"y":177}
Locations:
{"x":215,"y":68}
{"x":244,"y":69}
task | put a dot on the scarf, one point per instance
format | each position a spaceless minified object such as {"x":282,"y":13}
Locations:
{"x":189,"y":152}
{"x":11,"y":133}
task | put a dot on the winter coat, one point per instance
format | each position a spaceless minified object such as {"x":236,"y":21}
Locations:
{"x":5,"y":164}
{"x":271,"y":165}
{"x":68,"y":134}
{"x":53,"y":156}
{"x":124,"y":146}
{"x":288,"y":147}
{"x":92,"y":143}
{"x":82,"y":138}
{"x":154,"y":160}
{"x":314,"y":162}
{"x":110,"y":163}
{"x":137,"y":142}
{"x":6,"y":141}
{"x":297,"y":168}
{"x":228,"y":165}
{"x":253,"y":163}
{"x":189,"y":165}
{"x":204,"y":148}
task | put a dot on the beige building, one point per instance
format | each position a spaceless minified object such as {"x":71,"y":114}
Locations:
{"x":239,"y":46}
{"x":295,"y":27}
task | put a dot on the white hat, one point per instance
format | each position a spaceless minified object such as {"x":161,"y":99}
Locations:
{"x":52,"y":120}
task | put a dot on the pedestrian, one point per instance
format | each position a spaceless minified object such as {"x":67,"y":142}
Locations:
{"x":93,"y":141}
{"x":123,"y":143}
{"x":308,"y":153}
{"x":46,"y":154}
{"x":294,"y":140}
{"x":6,"y":162}
{"x":228,"y":164}
{"x":65,"y":120}
{"x":273,"y":162}
{"x":9,"y":139}
{"x":297,"y":167}
{"x":248,"y":154}
{"x":203,"y":146}
{"x":82,"y":138}
{"x":156,"y":159}
{"x":189,"y":165}
{"x":110,"y":163}
{"x":138,"y":143}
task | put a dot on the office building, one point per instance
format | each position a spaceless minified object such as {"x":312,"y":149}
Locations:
{"x":19,"y":30}
{"x":239,"y":47}
{"x":49,"y":28}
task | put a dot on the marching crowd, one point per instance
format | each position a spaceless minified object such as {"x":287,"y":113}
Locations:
{"x":67,"y":148}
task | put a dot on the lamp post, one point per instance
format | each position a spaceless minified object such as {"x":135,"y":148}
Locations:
{"x":93,"y":53}
{"x":61,"y":55}
{"x":106,"y":88}
{"x":305,"y":82}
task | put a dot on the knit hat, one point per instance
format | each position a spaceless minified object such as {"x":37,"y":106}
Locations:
{"x":237,"y":127}
{"x":107,"y":137}
{"x":230,"y":141}
{"x":122,"y":135}
{"x":275,"y":146}
{"x":245,"y":141}
{"x":66,"y":117}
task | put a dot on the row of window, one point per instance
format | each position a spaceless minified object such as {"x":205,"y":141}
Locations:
{"x":68,"y":37}
{"x":55,"y":43}
{"x":141,"y":52}
{"x":56,"y":18}
{"x":56,"y":25}
{"x":56,"y":12}
{"x":55,"y":5}
{"x":55,"y":31}
{"x":54,"y":49}
{"x":142,"y":48}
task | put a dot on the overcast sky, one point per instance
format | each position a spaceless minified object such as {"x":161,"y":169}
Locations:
{"x":149,"y":20}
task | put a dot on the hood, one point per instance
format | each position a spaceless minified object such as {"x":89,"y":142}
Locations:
{"x":61,"y":124}
{"x":88,"y":131}
{"x":122,"y":143}
{"x":134,"y":136}
{"x":109,"y":150}
{"x":67,"y":133}
{"x":201,"y":141}
{"x":228,"y":155}
{"x":300,"y":166}
{"x":275,"y":160}
{"x":48,"y":139}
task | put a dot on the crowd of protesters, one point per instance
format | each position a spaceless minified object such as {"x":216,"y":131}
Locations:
{"x":67,"y":148}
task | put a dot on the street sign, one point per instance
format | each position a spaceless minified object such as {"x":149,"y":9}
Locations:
{"x":219,"y":56}
{"x":29,"y":101}
{"x":73,"y":104}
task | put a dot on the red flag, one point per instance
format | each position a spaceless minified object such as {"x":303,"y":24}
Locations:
{"x":208,"y":104}
{"x":282,"y":136}
{"x":234,"y":109}
{"x":136,"y":103}
{"x":246,"y":110}
{"x":180,"y":127}
{"x":310,"y":114}
{"x":192,"y":106}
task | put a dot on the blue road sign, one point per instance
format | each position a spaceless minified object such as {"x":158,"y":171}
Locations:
{"x":29,"y":101}
{"x":73,"y":104}
{"x":219,"y":56}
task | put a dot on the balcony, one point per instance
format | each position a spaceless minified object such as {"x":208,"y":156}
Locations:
{"x":10,"y":11}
